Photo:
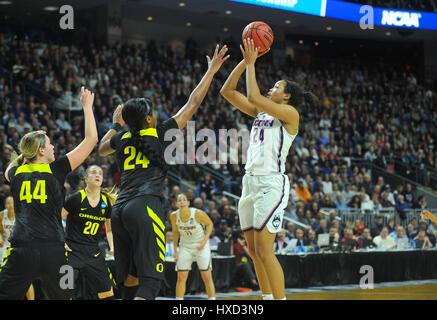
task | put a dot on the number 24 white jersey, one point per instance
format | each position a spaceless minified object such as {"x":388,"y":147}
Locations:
{"x":268,"y":147}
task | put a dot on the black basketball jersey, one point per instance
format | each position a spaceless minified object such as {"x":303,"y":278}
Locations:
{"x":84,"y":222}
{"x":38,"y":192}
{"x":138,"y":175}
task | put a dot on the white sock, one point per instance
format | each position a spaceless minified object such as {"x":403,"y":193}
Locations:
{"x":284,"y":298}
{"x":268,"y":296}
{"x":212,"y":298}
{"x":177,"y":298}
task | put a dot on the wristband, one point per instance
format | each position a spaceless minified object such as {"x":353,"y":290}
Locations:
{"x":117,"y":127}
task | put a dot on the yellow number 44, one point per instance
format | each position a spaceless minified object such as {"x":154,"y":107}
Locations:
{"x":39,"y":193}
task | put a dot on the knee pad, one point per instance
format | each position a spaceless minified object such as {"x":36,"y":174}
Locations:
{"x":148,"y":288}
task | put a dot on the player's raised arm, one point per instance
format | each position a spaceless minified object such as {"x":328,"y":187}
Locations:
{"x":198,"y":94}
{"x":237,"y":99}
{"x":278,"y":110}
{"x":83,"y":150}
{"x":117,"y":124}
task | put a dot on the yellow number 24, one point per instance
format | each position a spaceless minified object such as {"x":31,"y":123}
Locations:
{"x":139,"y":160}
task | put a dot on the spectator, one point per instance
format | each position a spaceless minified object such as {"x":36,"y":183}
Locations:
{"x":327,"y":202}
{"x":366,"y":203}
{"x":383,"y":241}
{"x":367,"y":184}
{"x":302,"y":192}
{"x":385,"y":202}
{"x":401,"y":206}
{"x":198,"y":204}
{"x":323,"y":228}
{"x":421,"y":203}
{"x":244,"y":272}
{"x":355,"y":202}
{"x":169,"y":246}
{"x":301,"y":242}
{"x":377,"y":226}
{"x":409,"y":195}
{"x":312,"y":241}
{"x":365,"y":240}
{"x":411,"y":232}
{"x":340,"y":204}
{"x":291,"y":230}
{"x":281,"y":241}
{"x":422,"y":240}
{"x":399,"y":233}
{"x":348,"y":194}
{"x":348,"y":241}
{"x":62,"y":123}
{"x":207,"y":186}
{"x":213,"y":240}
{"x":333,"y":236}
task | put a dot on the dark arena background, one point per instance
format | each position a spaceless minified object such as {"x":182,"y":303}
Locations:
{"x":362,"y":168}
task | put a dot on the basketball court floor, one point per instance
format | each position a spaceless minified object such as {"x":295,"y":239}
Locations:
{"x":408,"y":290}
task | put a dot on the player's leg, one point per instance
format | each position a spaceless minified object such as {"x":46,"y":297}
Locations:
{"x":271,"y":198}
{"x":245,"y":213}
{"x":261,"y":275}
{"x":56,"y":277}
{"x":181,"y":284}
{"x":264,"y":241}
{"x":99,"y":275}
{"x":123,"y":254}
{"x":144,"y":220}
{"x":183,"y":267}
{"x":16,"y":273}
{"x":205,"y":266}
{"x":209,"y":283}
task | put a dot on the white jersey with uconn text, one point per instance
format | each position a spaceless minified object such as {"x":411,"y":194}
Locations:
{"x":191,"y":232}
{"x":268,"y":147}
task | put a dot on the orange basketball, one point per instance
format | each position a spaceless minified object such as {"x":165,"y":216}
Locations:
{"x":260,"y":33}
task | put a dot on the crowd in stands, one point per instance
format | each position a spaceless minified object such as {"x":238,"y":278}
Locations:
{"x":365,"y":113}
{"x":412,"y":5}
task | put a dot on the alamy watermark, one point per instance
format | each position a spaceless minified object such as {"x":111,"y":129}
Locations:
{"x":67,"y":20}
{"x":367,"y":281}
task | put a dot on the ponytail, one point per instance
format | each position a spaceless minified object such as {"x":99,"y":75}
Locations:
{"x":298,"y":95}
{"x":310,"y":99}
{"x":111,"y":194}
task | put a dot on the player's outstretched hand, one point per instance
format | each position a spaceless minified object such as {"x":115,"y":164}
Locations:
{"x":117,"y":116}
{"x":218,"y":58}
{"x":87,"y":98}
{"x":67,"y":248}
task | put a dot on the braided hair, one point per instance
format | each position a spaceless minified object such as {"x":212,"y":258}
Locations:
{"x":135,"y":113}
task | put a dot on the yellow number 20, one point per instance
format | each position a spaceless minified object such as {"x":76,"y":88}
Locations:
{"x":39,"y":193}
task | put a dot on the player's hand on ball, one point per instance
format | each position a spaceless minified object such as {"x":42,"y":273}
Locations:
{"x":250,"y":53}
{"x":117,"y":116}
{"x":67,"y":248}
{"x":218,"y":58}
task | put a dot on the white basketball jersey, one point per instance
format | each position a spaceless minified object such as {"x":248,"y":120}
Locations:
{"x":268,"y":147}
{"x":7,"y":227}
{"x":190,"y":232}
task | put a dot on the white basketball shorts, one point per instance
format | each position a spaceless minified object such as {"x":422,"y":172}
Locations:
{"x":186,"y":255}
{"x":263,"y":201}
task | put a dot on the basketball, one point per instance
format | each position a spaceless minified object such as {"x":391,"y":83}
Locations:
{"x":260,"y":33}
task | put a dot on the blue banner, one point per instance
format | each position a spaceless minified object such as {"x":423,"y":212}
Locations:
{"x":313,"y":7}
{"x":381,"y":17}
{"x":348,"y":11}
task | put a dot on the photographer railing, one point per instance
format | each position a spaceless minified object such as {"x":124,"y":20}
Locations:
{"x":367,"y":217}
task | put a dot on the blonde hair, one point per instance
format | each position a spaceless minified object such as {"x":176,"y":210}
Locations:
{"x":29,"y":146}
{"x":110,"y":193}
